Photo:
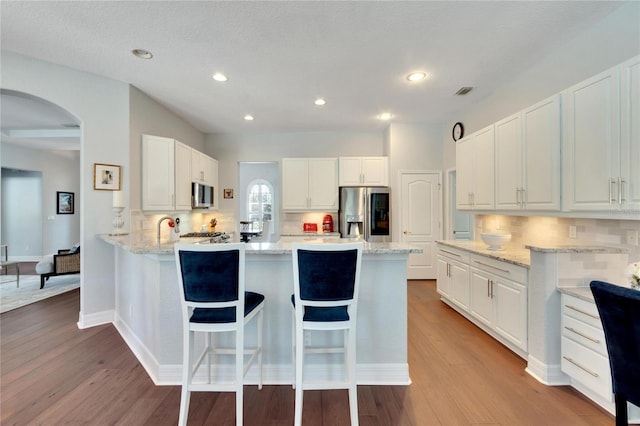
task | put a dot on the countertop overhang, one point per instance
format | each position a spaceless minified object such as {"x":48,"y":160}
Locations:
{"x":139,"y":245}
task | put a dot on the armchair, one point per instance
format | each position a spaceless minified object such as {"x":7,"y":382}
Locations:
{"x":65,"y":262}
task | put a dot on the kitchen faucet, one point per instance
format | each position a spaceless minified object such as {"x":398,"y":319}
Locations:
{"x":162,"y":219}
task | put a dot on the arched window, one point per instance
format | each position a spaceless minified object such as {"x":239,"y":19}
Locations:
{"x":260,"y":202}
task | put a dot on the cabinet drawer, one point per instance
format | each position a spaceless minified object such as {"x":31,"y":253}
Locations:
{"x":581,"y":310}
{"x":453,"y":254}
{"x":587,"y":367}
{"x":586,"y":335}
{"x":502,"y":269}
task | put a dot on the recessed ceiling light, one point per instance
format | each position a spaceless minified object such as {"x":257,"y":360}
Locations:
{"x":219,"y":77}
{"x":142,"y":54}
{"x":385,"y":116}
{"x":417,"y":76}
{"x":248,"y":117}
{"x":320,"y":102}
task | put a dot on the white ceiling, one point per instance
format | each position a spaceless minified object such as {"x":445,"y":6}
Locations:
{"x":280,"y":56}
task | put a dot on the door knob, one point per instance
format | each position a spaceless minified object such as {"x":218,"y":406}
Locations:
{"x":406,"y":232}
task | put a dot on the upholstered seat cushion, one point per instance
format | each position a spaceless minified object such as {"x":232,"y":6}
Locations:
{"x":45,"y":265}
{"x":320,"y":314}
{"x":225,"y":315}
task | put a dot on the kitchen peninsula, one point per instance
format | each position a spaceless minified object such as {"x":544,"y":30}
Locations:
{"x":148,"y":314}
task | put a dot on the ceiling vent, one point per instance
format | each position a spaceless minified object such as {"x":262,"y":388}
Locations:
{"x":463,"y":91}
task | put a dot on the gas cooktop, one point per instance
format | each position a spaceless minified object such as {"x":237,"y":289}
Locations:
{"x":202,"y":234}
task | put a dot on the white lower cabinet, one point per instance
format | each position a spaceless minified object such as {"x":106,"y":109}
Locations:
{"x":499,"y":298}
{"x":453,"y":276}
{"x":489,"y":292}
{"x":584,"y":356}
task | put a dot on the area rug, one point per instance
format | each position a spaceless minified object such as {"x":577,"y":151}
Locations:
{"x":30,"y":292}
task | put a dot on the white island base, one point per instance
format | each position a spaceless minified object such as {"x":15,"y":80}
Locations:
{"x":148,"y":315}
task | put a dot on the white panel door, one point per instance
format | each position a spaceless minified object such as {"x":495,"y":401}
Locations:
{"x":591,"y":142}
{"x":420,"y":223}
{"x":630,"y":137}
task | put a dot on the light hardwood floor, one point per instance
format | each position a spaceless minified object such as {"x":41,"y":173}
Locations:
{"x":52,"y":373}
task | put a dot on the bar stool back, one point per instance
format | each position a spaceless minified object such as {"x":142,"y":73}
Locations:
{"x":619,"y":310}
{"x":214,"y":300}
{"x":326,"y":280}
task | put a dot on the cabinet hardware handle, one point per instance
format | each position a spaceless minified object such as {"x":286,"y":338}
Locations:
{"x":448,"y":269}
{"x":488,"y":292}
{"x":523,"y":199}
{"x":582,"y":312}
{"x":450,"y":252}
{"x":612,"y":200}
{"x":492,"y":288}
{"x":491,"y":266}
{"x":517,"y":196}
{"x":594,"y":374}
{"x":582,"y":334}
{"x":621,"y":198}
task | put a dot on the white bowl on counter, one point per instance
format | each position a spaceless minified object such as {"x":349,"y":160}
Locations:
{"x":496,"y":241}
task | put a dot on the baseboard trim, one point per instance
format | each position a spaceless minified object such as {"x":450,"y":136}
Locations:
{"x":92,"y":320}
{"x":550,"y":375}
{"x":141,"y":352}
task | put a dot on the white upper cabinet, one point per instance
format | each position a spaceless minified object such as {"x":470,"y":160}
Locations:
{"x":591,"y":143}
{"x":166,"y":174}
{"x":475,"y":170}
{"x":630,"y":135}
{"x":310,"y":184}
{"x":528,"y":158}
{"x":204,"y":169}
{"x":364,"y":171}
{"x":601,"y":143}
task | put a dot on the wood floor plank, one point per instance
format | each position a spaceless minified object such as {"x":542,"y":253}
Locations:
{"x":53,"y":373}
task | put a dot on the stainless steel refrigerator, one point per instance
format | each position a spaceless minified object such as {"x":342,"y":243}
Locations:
{"x":365,"y":212}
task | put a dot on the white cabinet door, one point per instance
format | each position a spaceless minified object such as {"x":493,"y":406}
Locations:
{"x":375,"y":171}
{"x":591,"y":142}
{"x":630,"y":135}
{"x":323,"y":184}
{"x":459,"y":284}
{"x":509,"y":163}
{"x":182,"y":176}
{"x":464,"y":173}
{"x":484,"y":170}
{"x":510,"y":300}
{"x":295,"y":183}
{"x":475,"y":163}
{"x":541,"y":153}
{"x":197,"y":174}
{"x":363,"y":171}
{"x":442,"y":283}
{"x":158,"y":173}
{"x":350,"y":171}
{"x":481,"y":304}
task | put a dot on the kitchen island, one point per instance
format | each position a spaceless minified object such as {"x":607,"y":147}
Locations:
{"x":148,"y":314}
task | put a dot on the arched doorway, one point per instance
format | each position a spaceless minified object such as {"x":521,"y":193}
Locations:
{"x":40,"y":157}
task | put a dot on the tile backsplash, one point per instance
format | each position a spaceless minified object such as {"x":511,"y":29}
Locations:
{"x":555,"y":230}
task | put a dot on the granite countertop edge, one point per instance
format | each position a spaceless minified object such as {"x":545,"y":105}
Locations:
{"x":134,"y":244}
{"x":514,"y":255}
{"x":583,"y":293}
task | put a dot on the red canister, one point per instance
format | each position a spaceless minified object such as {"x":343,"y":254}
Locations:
{"x":327,"y":223}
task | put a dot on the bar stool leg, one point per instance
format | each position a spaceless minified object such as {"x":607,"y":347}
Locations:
{"x":298,"y":381}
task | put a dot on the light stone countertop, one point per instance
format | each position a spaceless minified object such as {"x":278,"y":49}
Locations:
{"x":137,"y":244}
{"x":511,"y":254}
{"x":564,"y":248}
{"x":583,"y":293}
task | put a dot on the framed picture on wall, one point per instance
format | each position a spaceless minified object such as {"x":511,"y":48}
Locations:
{"x":106,"y":177}
{"x":64,"y":202}
{"x":228,"y":193}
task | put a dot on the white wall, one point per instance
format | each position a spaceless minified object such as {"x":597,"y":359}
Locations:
{"x":59,"y":171}
{"x":410,"y":147}
{"x":149,"y":117}
{"x":102,"y":107}
{"x":607,"y":43}
{"x":229,"y":149}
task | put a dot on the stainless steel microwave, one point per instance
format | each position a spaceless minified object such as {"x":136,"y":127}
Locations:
{"x":201,"y":196}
